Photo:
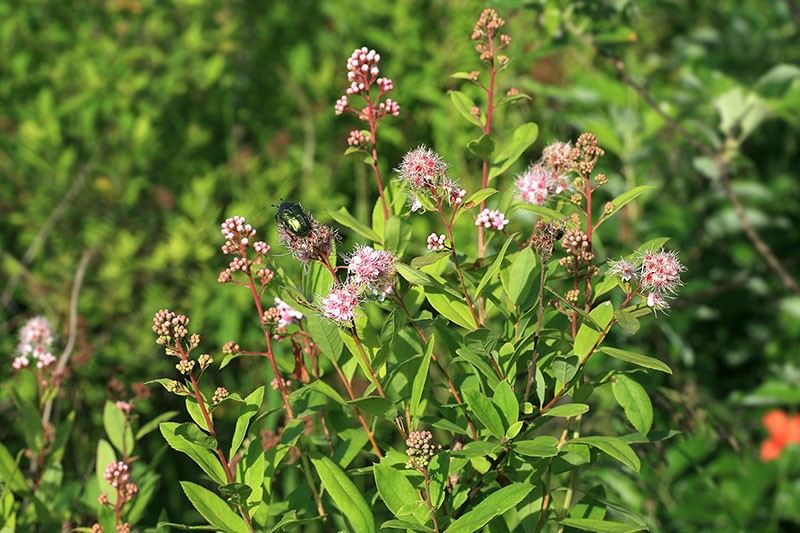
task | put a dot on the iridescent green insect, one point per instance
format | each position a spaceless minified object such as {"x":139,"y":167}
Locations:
{"x":293,"y":219}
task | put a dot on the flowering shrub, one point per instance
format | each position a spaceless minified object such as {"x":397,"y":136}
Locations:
{"x":476,"y":363}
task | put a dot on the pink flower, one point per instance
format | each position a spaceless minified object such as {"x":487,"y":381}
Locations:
{"x":422,"y":168}
{"x":491,"y":218}
{"x":373,"y":268}
{"x":556,"y":157}
{"x":533,"y":184}
{"x":624,"y":269}
{"x":362,"y":73}
{"x":125,"y":407}
{"x":20,"y":362}
{"x":661,"y":271}
{"x":45,"y":360}
{"x":288,"y":313}
{"x":237,"y":233}
{"x":341,"y":304}
{"x":435,"y":242}
{"x":657,"y":300}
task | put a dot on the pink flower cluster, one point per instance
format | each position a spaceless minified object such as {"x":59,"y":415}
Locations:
{"x":238,"y":237}
{"x":425,"y":173}
{"x":658,"y":274}
{"x":117,"y":474}
{"x":546,"y":177}
{"x":367,"y":268}
{"x":491,"y":218}
{"x":363,"y":74}
{"x":421,"y":449}
{"x":35,"y":342}
{"x":288,"y":313}
{"x":341,"y":303}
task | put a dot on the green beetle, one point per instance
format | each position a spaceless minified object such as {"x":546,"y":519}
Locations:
{"x":293,"y":219}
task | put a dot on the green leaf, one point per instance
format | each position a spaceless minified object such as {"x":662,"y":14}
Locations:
{"x":622,"y":200}
{"x":476,"y":448}
{"x":251,"y":405}
{"x":402,"y":524}
{"x":105,"y":456}
{"x":601,"y":526}
{"x":637,"y":359}
{"x":10,"y":473}
{"x":478,"y":196}
{"x":565,"y":368}
{"x":326,"y":336}
{"x":587,"y":335}
{"x":396,"y":491}
{"x":31,"y":421}
{"x":506,"y":403}
{"x":396,"y":235}
{"x":194,"y":410}
{"x":524,"y":136}
{"x":439,"y":472}
{"x":416,"y":276}
{"x":200,"y":455}
{"x":613,"y":446}
{"x":464,"y":106}
{"x":627,"y":321}
{"x":451,"y":307}
{"x":344,"y":494}
{"x":493,"y":505}
{"x":634,"y":401}
{"x":118,"y":431}
{"x":343,"y":217}
{"x":521,"y":275}
{"x":485,"y":411}
{"x":153,"y":424}
{"x":479,"y":362}
{"x":380,"y":407}
{"x":420,"y":379}
{"x":195,"y":435}
{"x":544,"y":446}
{"x":213,"y":508}
{"x":323,"y":388}
{"x":491,"y":272}
{"x":429,"y":258}
{"x":542,"y":211}
{"x":567,"y":410}
{"x":482,"y":148}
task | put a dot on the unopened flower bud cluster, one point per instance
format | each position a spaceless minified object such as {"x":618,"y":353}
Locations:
{"x":363,"y":74}
{"x":421,"y":449}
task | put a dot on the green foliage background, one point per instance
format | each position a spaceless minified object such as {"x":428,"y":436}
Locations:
{"x":132,"y":128}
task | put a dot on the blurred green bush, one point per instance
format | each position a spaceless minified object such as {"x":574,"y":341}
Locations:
{"x":132,"y":128}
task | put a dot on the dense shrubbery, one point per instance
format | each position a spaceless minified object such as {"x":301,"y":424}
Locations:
{"x":131,"y":129}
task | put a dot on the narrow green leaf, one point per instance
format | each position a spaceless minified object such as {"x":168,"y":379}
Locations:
{"x":476,"y":448}
{"x":524,"y":136}
{"x":491,"y":272}
{"x":322,"y":387}
{"x":506,"y":403}
{"x":395,"y":490}
{"x":587,"y":335}
{"x":493,"y":505}
{"x":567,"y":410}
{"x":30,"y":420}
{"x":195,"y":435}
{"x":601,"y":526}
{"x":344,"y":494}
{"x":521,"y":275}
{"x":194,"y":410}
{"x":396,"y":235}
{"x":634,"y":401}
{"x":613,"y":446}
{"x":464,"y":106}
{"x":343,"y":217}
{"x":118,"y":432}
{"x":627,"y":321}
{"x":429,"y":258}
{"x":247,"y":410}
{"x":452,"y":308}
{"x":380,"y":407}
{"x":213,"y":508}
{"x":421,"y":378}
{"x":326,"y":336}
{"x":415,"y":276}
{"x":204,"y":458}
{"x":439,"y":473}
{"x":544,"y":446}
{"x":485,"y":411}
{"x":622,"y":200}
{"x":153,"y":424}
{"x":479,"y":196}
{"x":479,"y":363}
{"x":637,"y":359}
{"x":410,"y":526}
{"x":10,"y":472}
{"x":482,"y":148}
{"x":105,"y":456}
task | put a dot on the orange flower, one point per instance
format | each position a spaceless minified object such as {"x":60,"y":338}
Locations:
{"x":782,"y":430}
